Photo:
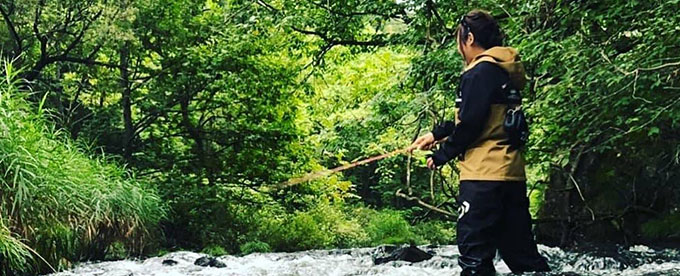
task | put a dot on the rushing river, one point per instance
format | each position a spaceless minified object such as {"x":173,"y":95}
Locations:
{"x":634,"y":260}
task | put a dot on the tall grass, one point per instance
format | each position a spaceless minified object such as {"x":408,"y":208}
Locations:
{"x":57,"y":202}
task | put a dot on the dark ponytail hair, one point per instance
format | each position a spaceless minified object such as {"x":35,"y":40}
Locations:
{"x":485,"y":28}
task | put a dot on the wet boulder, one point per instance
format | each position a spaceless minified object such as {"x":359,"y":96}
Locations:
{"x":209,"y":261}
{"x":409,"y":253}
{"x":169,"y":262}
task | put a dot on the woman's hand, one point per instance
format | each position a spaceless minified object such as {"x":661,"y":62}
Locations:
{"x":430,"y":164}
{"x":424,"y":142}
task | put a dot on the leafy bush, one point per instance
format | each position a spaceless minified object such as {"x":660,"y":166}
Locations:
{"x":255,"y":246}
{"x":390,"y":227}
{"x":436,"y":232}
{"x":333,"y":226}
{"x":323,"y":225}
{"x":299,"y":231}
{"x":663,"y":227}
{"x":214,"y":250}
{"x":116,"y":251}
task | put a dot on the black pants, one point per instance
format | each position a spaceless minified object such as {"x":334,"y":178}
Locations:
{"x":494,"y":215}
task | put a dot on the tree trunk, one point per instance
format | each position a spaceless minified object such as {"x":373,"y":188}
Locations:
{"x":565,"y":204}
{"x":194,"y":132}
{"x":126,"y":101}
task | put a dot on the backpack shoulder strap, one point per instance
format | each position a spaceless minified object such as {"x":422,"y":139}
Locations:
{"x":512,"y":94}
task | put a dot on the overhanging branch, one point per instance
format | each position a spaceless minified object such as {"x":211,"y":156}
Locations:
{"x":345,"y":42}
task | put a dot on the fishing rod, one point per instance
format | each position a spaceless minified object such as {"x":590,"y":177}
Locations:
{"x":322,"y":173}
{"x":327,"y":172}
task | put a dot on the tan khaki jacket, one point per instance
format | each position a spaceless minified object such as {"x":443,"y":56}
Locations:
{"x":487,"y":158}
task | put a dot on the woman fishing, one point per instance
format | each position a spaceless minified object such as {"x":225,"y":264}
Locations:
{"x":486,"y":134}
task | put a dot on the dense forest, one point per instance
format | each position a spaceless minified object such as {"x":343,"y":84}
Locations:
{"x":134,"y":127}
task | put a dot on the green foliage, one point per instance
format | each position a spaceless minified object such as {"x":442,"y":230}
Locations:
{"x":332,"y":226}
{"x":436,"y":232}
{"x":315,"y":228}
{"x":600,"y":98}
{"x":63,"y":203}
{"x":390,"y":227}
{"x":214,"y":250}
{"x":255,"y":247}
{"x":13,"y":253}
{"x":667,"y":226}
{"x":116,"y":251}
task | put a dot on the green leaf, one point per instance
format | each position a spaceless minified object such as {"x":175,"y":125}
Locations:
{"x":653,"y":131}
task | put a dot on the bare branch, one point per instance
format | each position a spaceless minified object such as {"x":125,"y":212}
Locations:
{"x":662,"y":66}
{"x":638,"y":70}
{"x":578,"y":189}
{"x":358,"y":43}
{"x":267,"y":6}
{"x":424,"y":204}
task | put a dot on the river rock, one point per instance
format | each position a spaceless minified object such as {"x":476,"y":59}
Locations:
{"x":169,"y":262}
{"x":405,"y":253}
{"x":340,"y":251}
{"x":209,"y":261}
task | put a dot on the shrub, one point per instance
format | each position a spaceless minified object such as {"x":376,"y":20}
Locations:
{"x":116,"y":251}
{"x":390,"y":227}
{"x":214,"y":250}
{"x":436,"y":232}
{"x":323,"y":225}
{"x":255,"y":246}
{"x":299,"y":231}
{"x":663,"y":227}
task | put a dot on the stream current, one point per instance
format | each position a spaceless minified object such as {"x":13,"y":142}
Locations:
{"x":633,"y":260}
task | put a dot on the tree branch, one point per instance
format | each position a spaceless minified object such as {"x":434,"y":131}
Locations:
{"x":82,"y":32}
{"x":345,"y":42}
{"x":424,"y":204}
{"x":83,"y":61}
{"x":18,"y":47}
{"x":267,"y":6}
{"x":433,"y":8}
{"x":36,"y":30}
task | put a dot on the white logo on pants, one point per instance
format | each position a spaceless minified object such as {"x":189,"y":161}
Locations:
{"x":463,"y":208}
